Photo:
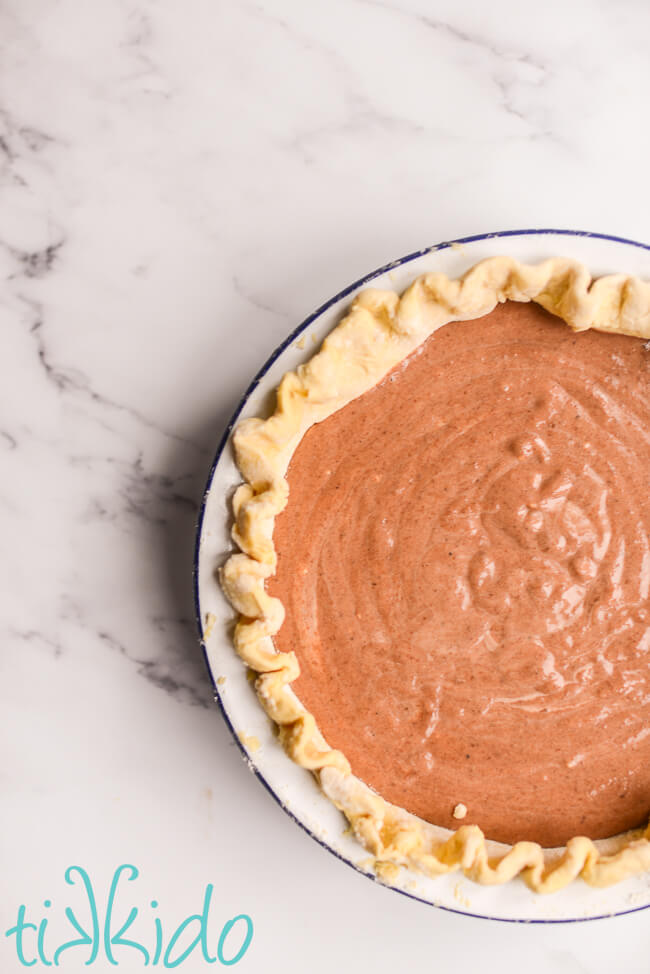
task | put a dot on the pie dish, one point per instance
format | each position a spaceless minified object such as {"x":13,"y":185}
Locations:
{"x":381,"y":332}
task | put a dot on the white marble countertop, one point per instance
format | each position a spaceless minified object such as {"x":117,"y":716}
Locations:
{"x":180,"y":184}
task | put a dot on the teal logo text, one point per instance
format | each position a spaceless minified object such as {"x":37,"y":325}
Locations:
{"x":122,"y":933}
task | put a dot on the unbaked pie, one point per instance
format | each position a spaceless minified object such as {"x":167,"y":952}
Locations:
{"x":444,"y":572}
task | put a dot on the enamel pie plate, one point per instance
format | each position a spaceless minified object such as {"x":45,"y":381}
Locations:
{"x":292,"y":786}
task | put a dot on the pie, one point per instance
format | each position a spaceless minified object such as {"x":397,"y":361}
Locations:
{"x":444,"y":566}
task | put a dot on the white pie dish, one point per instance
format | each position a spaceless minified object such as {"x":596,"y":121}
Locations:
{"x":291,"y":785}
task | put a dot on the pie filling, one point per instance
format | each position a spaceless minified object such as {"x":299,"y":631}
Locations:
{"x":465,"y":567}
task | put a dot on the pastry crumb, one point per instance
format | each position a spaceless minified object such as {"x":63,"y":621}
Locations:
{"x":387,"y":872}
{"x":210,"y":622}
{"x":300,"y":343}
{"x":459,"y":248}
{"x":315,"y":340}
{"x":458,"y":895}
{"x":250,"y":742}
{"x":460,"y":810}
{"x":220,"y":681}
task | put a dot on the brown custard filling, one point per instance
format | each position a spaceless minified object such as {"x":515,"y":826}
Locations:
{"x":465,"y":568}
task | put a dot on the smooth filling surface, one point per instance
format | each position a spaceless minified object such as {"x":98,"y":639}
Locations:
{"x":465,"y":567}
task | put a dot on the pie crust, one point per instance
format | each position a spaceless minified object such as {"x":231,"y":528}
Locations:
{"x":381,"y":330}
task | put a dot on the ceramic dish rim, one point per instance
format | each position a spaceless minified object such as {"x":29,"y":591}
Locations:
{"x":345,"y":292}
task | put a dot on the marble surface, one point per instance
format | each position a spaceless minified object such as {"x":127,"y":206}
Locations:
{"x":180,"y":184}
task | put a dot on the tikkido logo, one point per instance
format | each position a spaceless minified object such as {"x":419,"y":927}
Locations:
{"x":106,"y":938}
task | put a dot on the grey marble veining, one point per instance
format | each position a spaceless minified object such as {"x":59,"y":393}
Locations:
{"x":180,"y":185}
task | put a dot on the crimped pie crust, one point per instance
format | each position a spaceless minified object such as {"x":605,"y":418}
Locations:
{"x":380,"y":331}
